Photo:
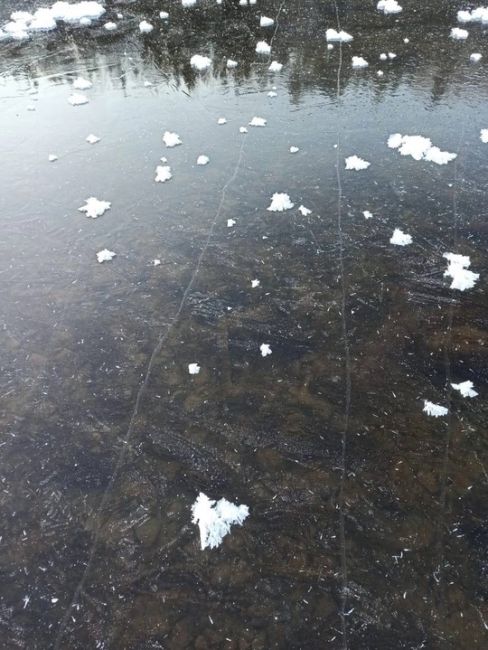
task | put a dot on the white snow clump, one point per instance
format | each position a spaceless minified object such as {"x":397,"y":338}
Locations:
{"x":465,"y":388}
{"x":356,"y":164}
{"x":280,"y":202}
{"x":458,"y":270}
{"x":214,"y":519}
{"x":435,"y":410}
{"x":420,"y":148}
{"x":94,"y":208}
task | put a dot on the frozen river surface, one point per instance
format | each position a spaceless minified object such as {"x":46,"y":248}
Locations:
{"x":312,"y":362}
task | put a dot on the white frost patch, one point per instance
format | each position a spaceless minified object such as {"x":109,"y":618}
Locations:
{"x":399,"y":238}
{"x":272,"y":94}
{"x":359,"y":62}
{"x":200,"y":62}
{"x":74,"y":13}
{"x":156,"y":262}
{"x":82,"y":84}
{"x":221,"y":120}
{"x":484,"y":136}
{"x":164,"y":15}
{"x":458,"y":270}
{"x":304,"y":211}
{"x":275,"y":66}
{"x":77,"y":99}
{"x":163,"y":173}
{"x":294,"y":149}
{"x":231,"y":223}
{"x":193,"y":368}
{"x":94,"y":208}
{"x":419,"y":148}
{"x":465,"y":388}
{"x":391,"y":55}
{"x":214,"y":519}
{"x":255,"y":284}
{"x":263,"y":48}
{"x":44,"y":19}
{"x":434,"y":154}
{"x":145,"y":27}
{"x":188,"y":3}
{"x":367,"y":214}
{"x":383,"y":56}
{"x":389,"y":7}
{"x":171,"y":139}
{"x":147,"y":84}
{"x":265,"y":349}
{"x":459,"y":34}
{"x":231,"y":63}
{"x":110,"y":27}
{"x":479,"y":15}
{"x":242,"y":129}
{"x":395,"y":140}
{"x":333,"y":36}
{"x":475,"y":57}
{"x":52,"y":157}
{"x":435,"y":410}
{"x":380,"y":73}
{"x":203,"y":160}
{"x":92,"y":139}
{"x":357,"y":164}
{"x":280,"y":202}
{"x":105,"y":255}
{"x":258,"y":121}
{"x":264,"y":21}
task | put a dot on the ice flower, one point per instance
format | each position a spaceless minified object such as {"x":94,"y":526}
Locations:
{"x":356,"y":164}
{"x":200,"y":62}
{"x":399,"y":238}
{"x":171,"y":139}
{"x":280,"y":202}
{"x":465,"y":388}
{"x":105,"y":255}
{"x":215,"y":518}
{"x":163,"y":173}
{"x":458,"y":270}
{"x":94,"y":208}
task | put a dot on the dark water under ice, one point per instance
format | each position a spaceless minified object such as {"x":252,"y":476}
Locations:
{"x":368,"y":519}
